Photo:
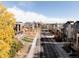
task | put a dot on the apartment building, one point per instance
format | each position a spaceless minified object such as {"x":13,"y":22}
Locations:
{"x":68,"y":28}
{"x":76,"y":34}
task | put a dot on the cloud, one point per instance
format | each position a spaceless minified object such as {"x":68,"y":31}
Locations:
{"x":28,"y":16}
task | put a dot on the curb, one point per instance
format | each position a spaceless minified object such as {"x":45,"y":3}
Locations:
{"x":33,"y":46}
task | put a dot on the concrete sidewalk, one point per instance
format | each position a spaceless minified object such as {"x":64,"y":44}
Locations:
{"x":33,"y":46}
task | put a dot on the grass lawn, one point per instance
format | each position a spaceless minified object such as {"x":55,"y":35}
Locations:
{"x":27,"y":39}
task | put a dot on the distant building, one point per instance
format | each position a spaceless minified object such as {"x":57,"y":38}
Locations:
{"x":18,"y":27}
{"x":31,"y":25}
{"x":59,"y":26}
{"x":28,"y":25}
{"x":49,"y":26}
{"x":55,"y":26}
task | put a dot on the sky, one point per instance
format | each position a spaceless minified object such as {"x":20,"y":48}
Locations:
{"x":46,"y":11}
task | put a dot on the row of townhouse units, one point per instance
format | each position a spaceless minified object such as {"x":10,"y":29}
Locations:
{"x":31,"y":25}
{"x":19,"y":26}
{"x":53,"y":26}
{"x":55,"y":29}
{"x":58,"y":31}
{"x":71,"y":33}
{"x":66,"y":32}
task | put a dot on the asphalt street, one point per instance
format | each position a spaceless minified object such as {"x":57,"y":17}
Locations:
{"x":47,"y":49}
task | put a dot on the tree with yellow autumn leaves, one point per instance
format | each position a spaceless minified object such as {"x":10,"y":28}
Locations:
{"x":7,"y":21}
